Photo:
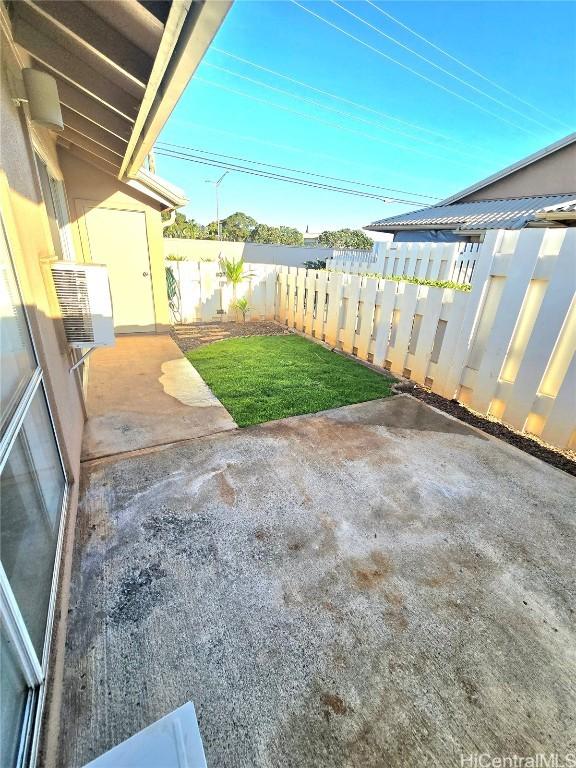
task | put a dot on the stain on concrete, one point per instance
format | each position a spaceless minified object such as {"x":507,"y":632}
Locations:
{"x":333,"y":703}
{"x":372,"y":571}
{"x":137,"y":594}
{"x":227,"y":492}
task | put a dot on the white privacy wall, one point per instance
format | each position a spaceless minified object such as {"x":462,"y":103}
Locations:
{"x":505,"y":348}
{"x":255,"y":253}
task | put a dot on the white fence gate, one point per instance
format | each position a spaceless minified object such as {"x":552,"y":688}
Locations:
{"x":505,"y":348}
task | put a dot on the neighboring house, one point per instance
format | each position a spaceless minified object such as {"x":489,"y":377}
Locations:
{"x":310,"y":238}
{"x":74,"y":192}
{"x":538,"y":191}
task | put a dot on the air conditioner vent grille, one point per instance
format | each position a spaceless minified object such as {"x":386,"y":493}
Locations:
{"x":72,"y":293}
{"x":83,"y":292}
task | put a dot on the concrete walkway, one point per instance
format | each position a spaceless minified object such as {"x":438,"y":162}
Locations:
{"x":377,"y":585}
{"x":142,"y":393}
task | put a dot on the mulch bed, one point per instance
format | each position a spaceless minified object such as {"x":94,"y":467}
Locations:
{"x":190,"y":337}
{"x":564,"y":460}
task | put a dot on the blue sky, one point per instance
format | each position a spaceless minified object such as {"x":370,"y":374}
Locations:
{"x":525,"y":47}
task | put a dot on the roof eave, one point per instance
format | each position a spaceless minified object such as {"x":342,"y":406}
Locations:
{"x":158,"y":188}
{"x":412,"y":227}
{"x":188,"y":32}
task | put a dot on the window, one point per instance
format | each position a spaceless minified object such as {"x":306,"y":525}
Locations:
{"x":57,"y":210}
{"x":32,"y":498}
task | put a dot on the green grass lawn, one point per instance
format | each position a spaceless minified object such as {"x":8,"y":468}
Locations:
{"x":261,"y":378}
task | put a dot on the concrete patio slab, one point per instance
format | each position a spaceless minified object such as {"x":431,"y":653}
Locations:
{"x":377,"y":585}
{"x":143,"y":392}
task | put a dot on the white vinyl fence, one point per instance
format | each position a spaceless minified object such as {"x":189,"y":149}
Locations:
{"x":505,"y":348}
{"x":205,"y":296}
{"x":432,"y":261}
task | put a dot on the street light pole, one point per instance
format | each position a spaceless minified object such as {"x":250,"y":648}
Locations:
{"x":217,"y":188}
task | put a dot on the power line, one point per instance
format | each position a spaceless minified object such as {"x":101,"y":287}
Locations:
{"x":294,"y":170}
{"x":413,"y":71}
{"x":466,"y":66}
{"x":281,"y":177}
{"x":341,"y":98}
{"x":437,"y":66}
{"x":288,"y":147}
{"x":333,"y":109}
{"x":325,"y":122}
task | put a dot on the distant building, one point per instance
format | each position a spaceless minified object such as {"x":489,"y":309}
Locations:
{"x":538,"y":191}
{"x":311,"y":238}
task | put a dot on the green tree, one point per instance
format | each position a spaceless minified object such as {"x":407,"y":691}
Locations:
{"x":211,"y":231}
{"x":345,"y":238}
{"x":183,"y":227}
{"x":264,"y":233}
{"x":290,"y":236}
{"x":237,"y":227}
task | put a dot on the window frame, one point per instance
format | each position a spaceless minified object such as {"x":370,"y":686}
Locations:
{"x":34,"y":669}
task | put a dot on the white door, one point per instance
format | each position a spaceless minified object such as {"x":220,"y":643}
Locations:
{"x":118,"y":239}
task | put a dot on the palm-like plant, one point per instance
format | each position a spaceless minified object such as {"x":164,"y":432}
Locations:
{"x":242,"y":306}
{"x":234,"y":273}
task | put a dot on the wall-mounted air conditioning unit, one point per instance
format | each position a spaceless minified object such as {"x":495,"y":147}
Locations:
{"x":86,"y":303}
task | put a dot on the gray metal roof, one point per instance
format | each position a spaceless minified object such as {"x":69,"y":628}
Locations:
{"x":511,"y":213}
{"x":569,"y":207}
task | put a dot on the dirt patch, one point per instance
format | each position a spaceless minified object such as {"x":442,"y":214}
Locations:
{"x":562,"y":459}
{"x":195,"y":335}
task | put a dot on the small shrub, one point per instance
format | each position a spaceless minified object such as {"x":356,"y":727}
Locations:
{"x":175,"y":257}
{"x":466,"y":287}
{"x":318,"y":264}
{"x":242,"y":306}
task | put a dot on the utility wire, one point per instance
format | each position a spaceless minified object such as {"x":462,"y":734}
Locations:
{"x":167,"y":145}
{"x":466,"y":66}
{"x":339,"y":159}
{"x":316,"y":119}
{"x":413,"y":71}
{"x":341,"y":98}
{"x":327,"y":107}
{"x":437,"y":66}
{"x":281,"y":177}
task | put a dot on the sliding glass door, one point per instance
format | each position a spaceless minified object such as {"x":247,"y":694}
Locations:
{"x":32,"y":499}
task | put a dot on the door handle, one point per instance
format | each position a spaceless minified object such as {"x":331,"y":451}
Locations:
{"x":144,"y":274}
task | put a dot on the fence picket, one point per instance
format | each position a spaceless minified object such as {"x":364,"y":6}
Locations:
{"x":332,"y":324}
{"x":351,"y":313}
{"x":430,"y":316}
{"x":407,"y":298}
{"x":366,"y":317}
